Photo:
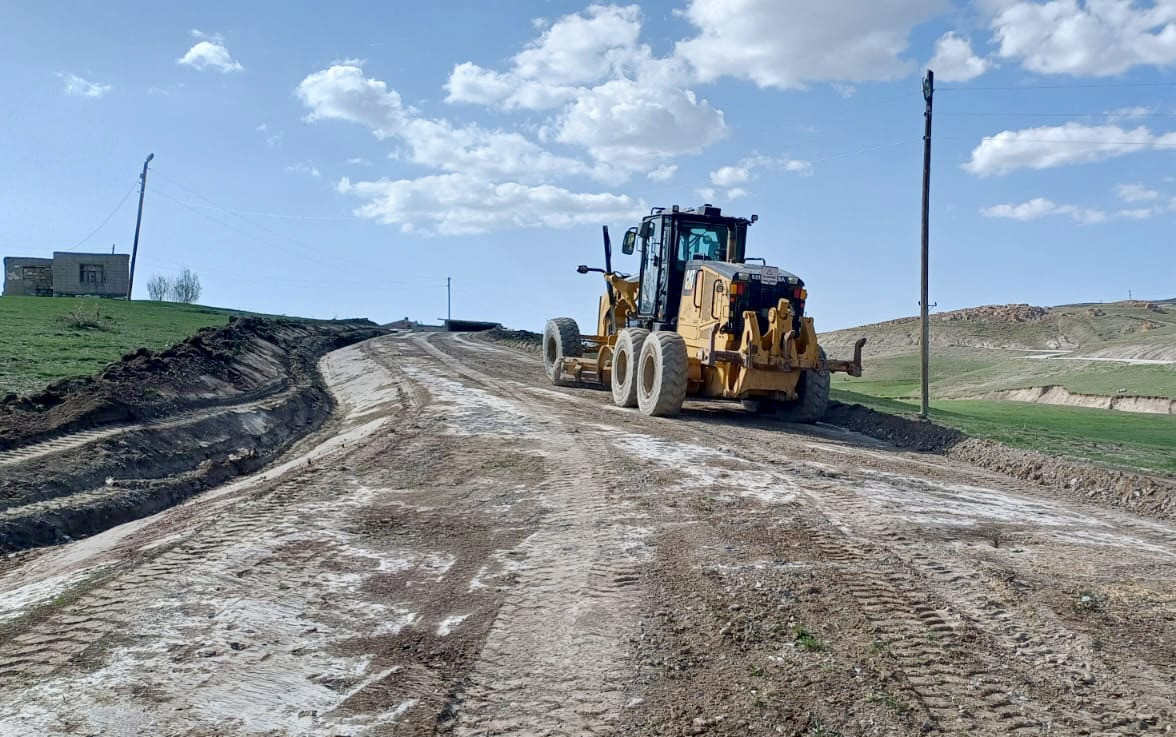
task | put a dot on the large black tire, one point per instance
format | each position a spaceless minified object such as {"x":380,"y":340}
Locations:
{"x":626,"y":355}
{"x":661,"y":375}
{"x":812,"y":397}
{"x":561,"y":339}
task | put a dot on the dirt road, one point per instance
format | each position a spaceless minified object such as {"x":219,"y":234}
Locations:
{"x":467,"y":550}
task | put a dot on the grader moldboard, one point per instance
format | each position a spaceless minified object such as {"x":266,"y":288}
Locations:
{"x":698,"y":320}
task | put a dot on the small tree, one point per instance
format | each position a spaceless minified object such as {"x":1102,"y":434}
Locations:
{"x":186,"y":287}
{"x":159,"y":287}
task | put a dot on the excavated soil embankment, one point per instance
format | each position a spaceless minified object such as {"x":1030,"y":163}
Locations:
{"x":87,"y":454}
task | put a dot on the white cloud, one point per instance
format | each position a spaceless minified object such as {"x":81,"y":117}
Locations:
{"x":1097,"y":38}
{"x":608,"y":94}
{"x":459,"y":204}
{"x":637,"y":123}
{"x":1135,"y":193}
{"x":790,"y":45}
{"x":210,"y":54}
{"x":357,"y":161}
{"x":706,"y":193}
{"x":746,"y":169}
{"x":79,"y":87}
{"x":954,"y":60}
{"x":1050,"y":146}
{"x":345,"y":93}
{"x":303,"y":167}
{"x":1140,"y":213}
{"x":736,"y":192}
{"x":1040,"y":207}
{"x":1138,"y":111}
{"x":575,"y":51}
{"x":663,"y":173}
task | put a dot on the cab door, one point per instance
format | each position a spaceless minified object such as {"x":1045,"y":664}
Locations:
{"x":652,"y":266}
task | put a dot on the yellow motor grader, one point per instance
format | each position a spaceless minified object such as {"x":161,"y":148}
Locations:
{"x":698,"y":320}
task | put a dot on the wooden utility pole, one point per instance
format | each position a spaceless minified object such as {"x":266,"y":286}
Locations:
{"x":928,"y":95}
{"x":138,"y":223}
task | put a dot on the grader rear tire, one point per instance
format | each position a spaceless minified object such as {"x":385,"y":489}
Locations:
{"x":661,"y":375}
{"x":561,"y":339}
{"x":626,"y":355}
{"x":812,"y":400}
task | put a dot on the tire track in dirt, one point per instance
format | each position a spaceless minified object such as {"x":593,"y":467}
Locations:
{"x":918,"y":596}
{"x":574,"y":595}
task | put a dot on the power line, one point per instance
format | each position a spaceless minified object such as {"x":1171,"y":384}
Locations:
{"x":1158,"y":144}
{"x":108,"y":217}
{"x":1107,"y":113}
{"x":1096,"y":85}
{"x":276,"y":215}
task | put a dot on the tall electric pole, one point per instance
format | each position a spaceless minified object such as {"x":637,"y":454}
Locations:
{"x":138,"y":223}
{"x":925,"y":363}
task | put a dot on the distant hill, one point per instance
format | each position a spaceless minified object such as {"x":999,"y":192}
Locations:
{"x":1113,"y":350}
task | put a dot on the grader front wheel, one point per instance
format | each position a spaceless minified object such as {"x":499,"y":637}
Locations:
{"x":812,"y":397}
{"x":626,"y":355}
{"x":662,"y":370}
{"x":561,"y":339}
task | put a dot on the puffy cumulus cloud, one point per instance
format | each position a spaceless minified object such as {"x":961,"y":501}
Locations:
{"x":79,"y":87}
{"x":1049,"y":146}
{"x":575,"y":51}
{"x":1135,"y":193}
{"x":1097,"y":38}
{"x":789,"y":47}
{"x":634,"y":124}
{"x":459,"y":204}
{"x":954,"y":60}
{"x":344,"y":92}
{"x":1040,"y":207}
{"x":605,"y":91}
{"x":210,"y":54}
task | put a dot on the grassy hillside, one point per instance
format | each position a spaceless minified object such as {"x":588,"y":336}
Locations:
{"x":43,"y":339}
{"x":1119,"y":439}
{"x":1003,"y":347}
{"x":988,"y":349}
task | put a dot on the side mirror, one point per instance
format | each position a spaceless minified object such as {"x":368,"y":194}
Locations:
{"x":581,"y":269}
{"x":630,"y":241}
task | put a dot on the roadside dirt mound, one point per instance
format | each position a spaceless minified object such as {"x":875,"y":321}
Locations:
{"x":1141,"y":493}
{"x":522,"y":339}
{"x":996,"y":313}
{"x":1054,"y":394}
{"x":87,"y":454}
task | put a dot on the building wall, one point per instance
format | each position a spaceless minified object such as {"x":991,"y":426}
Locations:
{"x":102,"y":274}
{"x":28,"y":276}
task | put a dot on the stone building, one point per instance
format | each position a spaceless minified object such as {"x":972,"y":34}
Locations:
{"x":67,"y":273}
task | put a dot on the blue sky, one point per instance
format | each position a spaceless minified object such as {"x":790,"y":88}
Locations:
{"x":345,"y":160}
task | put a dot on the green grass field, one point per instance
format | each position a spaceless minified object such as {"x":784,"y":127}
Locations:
{"x":39,"y":345}
{"x":1120,"y":439}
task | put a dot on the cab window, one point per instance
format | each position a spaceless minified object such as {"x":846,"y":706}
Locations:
{"x":701,"y":241}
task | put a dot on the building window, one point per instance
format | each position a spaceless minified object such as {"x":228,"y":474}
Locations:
{"x":93,"y":274}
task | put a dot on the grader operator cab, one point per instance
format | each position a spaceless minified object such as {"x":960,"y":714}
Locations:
{"x":698,"y":320}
